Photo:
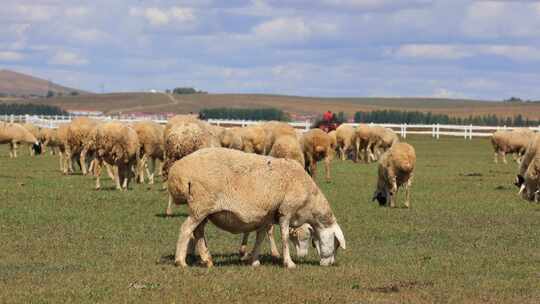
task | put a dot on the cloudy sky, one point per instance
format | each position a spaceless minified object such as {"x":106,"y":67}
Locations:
{"x":441,"y":48}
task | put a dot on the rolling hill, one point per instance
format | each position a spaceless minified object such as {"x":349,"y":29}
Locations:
{"x":18,"y":84}
{"x":161,"y":102}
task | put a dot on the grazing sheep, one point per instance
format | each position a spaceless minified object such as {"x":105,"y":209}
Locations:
{"x":46,"y":137}
{"x":243,"y":192}
{"x":504,"y":142}
{"x":117,"y":145}
{"x":253,"y":139}
{"x":13,"y":134}
{"x":346,"y":140}
{"x":288,"y":147}
{"x":273,"y":130}
{"x":362,"y":142}
{"x":317,"y":145}
{"x":232,"y":139}
{"x":150,"y":136}
{"x":78,"y":133}
{"x":182,"y":140}
{"x":396,"y":168}
{"x":527,"y":179}
{"x":34,"y":130}
{"x":380,"y":140}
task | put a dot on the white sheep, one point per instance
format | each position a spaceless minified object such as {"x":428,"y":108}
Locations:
{"x":243,"y":192}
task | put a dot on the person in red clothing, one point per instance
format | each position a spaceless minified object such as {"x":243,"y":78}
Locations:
{"x":328,"y":116}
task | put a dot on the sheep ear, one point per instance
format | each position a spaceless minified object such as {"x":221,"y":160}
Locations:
{"x":339,"y":236}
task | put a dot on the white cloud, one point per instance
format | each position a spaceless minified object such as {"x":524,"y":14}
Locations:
{"x":10,"y":56}
{"x":291,"y":30}
{"x":88,"y":35}
{"x":445,"y":93}
{"x":160,"y":17}
{"x":36,"y":13}
{"x":76,"y":12}
{"x":68,"y":58}
{"x":519,"y":53}
{"x":432,"y":51}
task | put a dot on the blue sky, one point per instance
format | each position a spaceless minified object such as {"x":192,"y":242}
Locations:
{"x":448,"y":48}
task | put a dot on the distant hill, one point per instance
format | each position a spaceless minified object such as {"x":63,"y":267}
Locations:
{"x":161,"y":102}
{"x":18,"y":84}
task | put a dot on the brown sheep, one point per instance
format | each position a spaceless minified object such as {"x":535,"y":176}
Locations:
{"x":13,"y":134}
{"x":243,"y":192}
{"x":34,"y":130}
{"x":527,"y":178}
{"x":362,"y":141}
{"x":150,"y":136}
{"x":317,"y":145}
{"x":182,"y":140}
{"x":78,"y":133}
{"x":396,"y":168}
{"x":346,"y":140}
{"x":380,"y":140}
{"x":117,"y":145}
{"x":273,"y":130}
{"x":504,"y":142}
{"x":232,"y":139}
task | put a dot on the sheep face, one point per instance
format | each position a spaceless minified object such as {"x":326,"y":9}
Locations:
{"x":37,"y":147}
{"x":529,"y":189}
{"x":383,"y":196}
{"x":300,"y":237}
{"x":327,"y":240}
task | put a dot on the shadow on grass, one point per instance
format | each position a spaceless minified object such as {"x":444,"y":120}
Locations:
{"x":232,"y":259}
{"x":398,"y":286}
{"x":164,"y":215}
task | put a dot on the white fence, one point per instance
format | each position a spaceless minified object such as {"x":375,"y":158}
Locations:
{"x":435,"y":130}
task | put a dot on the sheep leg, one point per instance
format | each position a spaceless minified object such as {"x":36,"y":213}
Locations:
{"x":273,"y":248}
{"x":140,"y":169}
{"x":151,"y":173}
{"x":257,"y":247}
{"x":408,"y":191}
{"x":111,"y":171}
{"x":243,"y":246}
{"x":503,"y":156}
{"x":11,"y":149}
{"x":393,"y":192}
{"x":201,"y":245}
{"x":119,"y":178}
{"x":284,"y":227}
{"x":61,"y":160}
{"x":186,"y":230}
{"x":342,"y":151}
{"x":327,"y":167}
{"x":169,"y":211}
{"x":357,"y":151}
{"x":97,"y":174}
{"x":496,"y":157}
{"x":82,"y":161}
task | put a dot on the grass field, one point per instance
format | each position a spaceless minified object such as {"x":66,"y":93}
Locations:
{"x":159,"y":103}
{"x":468,"y":239}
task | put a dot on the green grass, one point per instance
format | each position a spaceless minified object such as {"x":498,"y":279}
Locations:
{"x":468,"y":239}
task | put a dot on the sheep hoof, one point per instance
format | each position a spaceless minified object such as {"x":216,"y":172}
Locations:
{"x":246,"y":257}
{"x":169,"y":212}
{"x":180,"y":264}
{"x":207,"y":264}
{"x":289,"y":265}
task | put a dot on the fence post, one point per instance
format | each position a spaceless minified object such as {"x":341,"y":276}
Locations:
{"x":405,"y":130}
{"x":470,"y":133}
{"x":307,"y":125}
{"x":433,"y":131}
{"x":438,"y":131}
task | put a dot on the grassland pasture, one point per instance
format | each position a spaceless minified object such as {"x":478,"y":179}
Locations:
{"x":467,"y":239}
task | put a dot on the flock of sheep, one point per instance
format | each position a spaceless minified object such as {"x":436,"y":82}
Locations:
{"x":241,"y":179}
{"x":524,"y":145}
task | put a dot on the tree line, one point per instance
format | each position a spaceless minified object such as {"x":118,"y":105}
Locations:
{"x":245,"y":114}
{"x":416,"y":117}
{"x":30,"y":108}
